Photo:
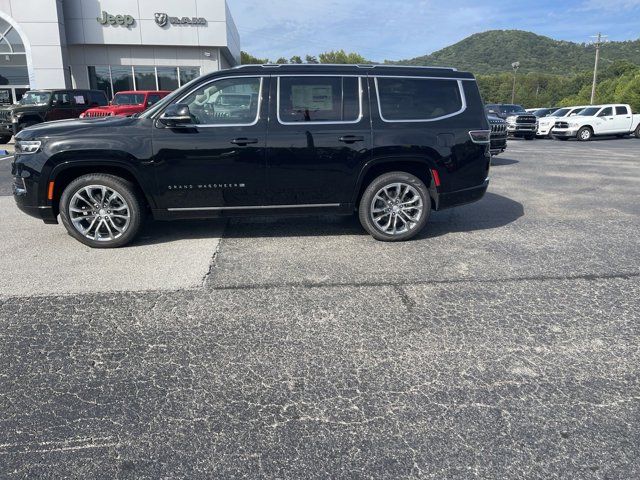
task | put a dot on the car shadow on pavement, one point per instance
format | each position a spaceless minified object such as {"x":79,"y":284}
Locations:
{"x":493,"y":211}
{"x":497,"y":162}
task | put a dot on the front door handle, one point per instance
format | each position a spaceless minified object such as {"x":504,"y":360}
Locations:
{"x":244,"y":141}
{"x":351,"y":138}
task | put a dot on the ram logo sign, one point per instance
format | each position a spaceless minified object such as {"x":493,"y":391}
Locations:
{"x":162,"y":19}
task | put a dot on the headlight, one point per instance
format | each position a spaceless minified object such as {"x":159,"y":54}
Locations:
{"x":15,"y":117}
{"x":28,"y":146}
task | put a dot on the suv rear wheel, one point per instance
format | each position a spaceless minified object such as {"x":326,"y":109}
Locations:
{"x":101,"y":210}
{"x":395,"y":206}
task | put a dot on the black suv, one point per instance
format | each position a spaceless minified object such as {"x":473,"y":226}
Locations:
{"x":498,"y":134}
{"x":37,"y":106}
{"x":520,"y":123}
{"x":392,"y":143}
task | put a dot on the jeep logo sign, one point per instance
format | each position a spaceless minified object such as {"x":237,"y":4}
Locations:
{"x":124,"y":20}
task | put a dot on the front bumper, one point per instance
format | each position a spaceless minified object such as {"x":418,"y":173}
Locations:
{"x":524,"y":129}
{"x":565,"y":132}
{"x":25,"y":194}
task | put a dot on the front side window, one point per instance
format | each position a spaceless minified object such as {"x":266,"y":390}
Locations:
{"x":318,"y":99}
{"x":607,"y":112}
{"x":230,"y":101}
{"x":128,"y":99}
{"x":35,"y":98}
{"x":417,"y":99}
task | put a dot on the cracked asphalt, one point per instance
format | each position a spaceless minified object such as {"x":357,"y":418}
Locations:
{"x":504,"y":342}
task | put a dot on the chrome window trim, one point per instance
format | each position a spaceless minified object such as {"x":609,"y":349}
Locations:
{"x":254,"y":207}
{"x":217,"y":125}
{"x":460,"y":88}
{"x":320,"y":122}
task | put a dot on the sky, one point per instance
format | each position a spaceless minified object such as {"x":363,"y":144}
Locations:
{"x":393,"y":30}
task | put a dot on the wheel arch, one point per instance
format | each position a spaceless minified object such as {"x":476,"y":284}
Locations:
{"x":65,"y":171}
{"x":420,"y":166}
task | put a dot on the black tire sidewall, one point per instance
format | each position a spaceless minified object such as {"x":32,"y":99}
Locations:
{"x":377,"y":184}
{"x":123,"y":187}
{"x":637,"y":132}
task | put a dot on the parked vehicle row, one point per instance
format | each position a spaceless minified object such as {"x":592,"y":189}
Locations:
{"x":582,"y":122}
{"x":390,"y":143}
{"x":38,"y":106}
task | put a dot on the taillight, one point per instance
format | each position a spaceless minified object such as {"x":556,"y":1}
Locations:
{"x":480,"y":136}
{"x":436,"y":177}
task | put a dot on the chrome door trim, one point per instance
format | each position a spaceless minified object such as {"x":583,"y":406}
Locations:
{"x":255,"y":207}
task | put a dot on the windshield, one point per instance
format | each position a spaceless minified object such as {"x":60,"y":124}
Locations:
{"x":589,"y":112}
{"x":561,"y":112}
{"x":128,"y":99}
{"x":513,"y":109}
{"x":541,"y":112}
{"x":35,"y":98}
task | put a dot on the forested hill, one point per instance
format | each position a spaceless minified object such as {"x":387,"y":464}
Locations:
{"x":494,"y":51}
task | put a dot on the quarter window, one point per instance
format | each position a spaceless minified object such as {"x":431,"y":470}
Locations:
{"x":415,"y":99}
{"x":318,"y":99}
{"x":231,"y":101}
{"x":621,"y":110}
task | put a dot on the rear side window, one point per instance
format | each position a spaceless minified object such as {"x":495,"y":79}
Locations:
{"x":318,"y":99}
{"x":621,"y":111}
{"x":417,"y":99}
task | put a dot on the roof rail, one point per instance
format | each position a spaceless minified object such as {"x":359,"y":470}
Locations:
{"x":358,"y":65}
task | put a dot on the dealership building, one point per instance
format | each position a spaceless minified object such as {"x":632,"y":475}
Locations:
{"x":112,"y":45}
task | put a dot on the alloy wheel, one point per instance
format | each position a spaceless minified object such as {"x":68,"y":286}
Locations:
{"x":99,"y":213}
{"x":396,"y":208}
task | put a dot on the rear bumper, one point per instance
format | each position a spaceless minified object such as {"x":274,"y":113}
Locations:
{"x":461,"y":197}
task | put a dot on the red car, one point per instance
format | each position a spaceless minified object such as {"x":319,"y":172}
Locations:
{"x":127,"y":103}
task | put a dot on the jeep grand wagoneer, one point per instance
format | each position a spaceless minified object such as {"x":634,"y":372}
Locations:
{"x":391,"y":143}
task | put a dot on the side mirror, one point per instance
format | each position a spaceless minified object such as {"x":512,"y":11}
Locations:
{"x":176,"y":115}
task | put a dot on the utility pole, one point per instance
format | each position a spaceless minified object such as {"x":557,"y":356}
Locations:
{"x":600,"y":39}
{"x":515,"y":66}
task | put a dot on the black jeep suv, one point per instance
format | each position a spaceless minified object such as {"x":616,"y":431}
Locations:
{"x":392,"y":143}
{"x":37,"y":106}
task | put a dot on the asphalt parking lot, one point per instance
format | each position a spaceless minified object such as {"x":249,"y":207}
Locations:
{"x":504,"y":342}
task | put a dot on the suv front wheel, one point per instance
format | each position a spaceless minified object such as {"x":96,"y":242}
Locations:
{"x":101,"y":210}
{"x":395,"y":206}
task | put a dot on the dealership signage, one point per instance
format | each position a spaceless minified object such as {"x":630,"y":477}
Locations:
{"x":124,"y":20}
{"x":163,"y":19}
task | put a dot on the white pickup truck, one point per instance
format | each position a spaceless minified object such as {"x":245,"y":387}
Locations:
{"x":546,"y":124}
{"x":613,"y":119}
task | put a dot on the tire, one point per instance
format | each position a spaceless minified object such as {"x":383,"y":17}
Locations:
{"x":118,"y":218}
{"x":5,"y":138}
{"x":382,"y":194}
{"x":584,"y":134}
{"x":637,"y":132}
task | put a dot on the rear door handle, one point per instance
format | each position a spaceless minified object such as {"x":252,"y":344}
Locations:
{"x":351,"y":138}
{"x":244,"y":141}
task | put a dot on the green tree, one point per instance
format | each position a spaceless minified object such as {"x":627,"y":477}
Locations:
{"x":310,"y":59}
{"x":247,"y":58}
{"x":282,"y":60}
{"x":295,"y":59}
{"x":340,"y":56}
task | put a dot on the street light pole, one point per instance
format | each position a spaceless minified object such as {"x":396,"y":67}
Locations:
{"x":515,"y":66}
{"x":599,"y":40}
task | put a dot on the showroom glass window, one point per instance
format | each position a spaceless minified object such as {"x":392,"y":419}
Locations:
{"x":167,"y":78}
{"x":416,"y":99}
{"x":318,"y":99}
{"x":188,"y":73}
{"x":121,"y":79}
{"x":232,"y":101}
{"x":145,"y":78}
{"x":13,"y":60}
{"x":100,"y":79}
